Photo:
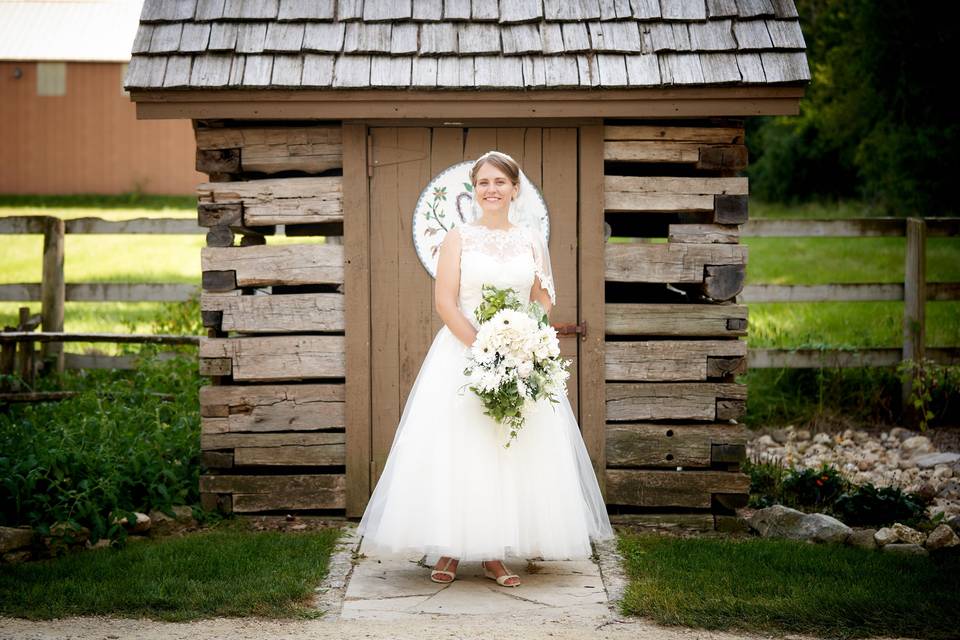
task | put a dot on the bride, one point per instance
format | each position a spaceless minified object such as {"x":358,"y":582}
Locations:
{"x":449,"y":486}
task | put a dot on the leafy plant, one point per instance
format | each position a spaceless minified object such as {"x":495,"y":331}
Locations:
{"x":129,"y":441}
{"x":933,"y":384}
{"x":813,"y":487}
{"x":868,"y":505}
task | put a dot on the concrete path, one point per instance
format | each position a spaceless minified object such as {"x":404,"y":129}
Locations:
{"x":393,"y":587}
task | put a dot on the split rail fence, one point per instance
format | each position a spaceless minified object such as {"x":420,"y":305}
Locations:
{"x":18,"y":343}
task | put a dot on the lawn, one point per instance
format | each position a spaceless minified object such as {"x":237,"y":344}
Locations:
{"x":770,"y":585}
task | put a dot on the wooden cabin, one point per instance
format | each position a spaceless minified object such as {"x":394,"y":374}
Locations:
{"x":325,"y":121}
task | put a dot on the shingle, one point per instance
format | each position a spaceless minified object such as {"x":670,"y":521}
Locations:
{"x":719,"y":68}
{"x":669,"y":36}
{"x":484,"y":10}
{"x":521,"y":38}
{"x":375,"y":10}
{"x":251,"y":9}
{"x":683,"y":9}
{"x":498,"y":71}
{"x":428,"y":10}
{"x":722,"y":8}
{"x":284,"y":36}
{"x":438,"y":38}
{"x":615,"y":9}
{"x":478,"y":38}
{"x":551,"y":34}
{"x":534,"y":73}
{"x":145,"y":71}
{"x":751,"y":69}
{"x":615,"y":36}
{"x":168,"y":10}
{"x":223,"y":36}
{"x":785,"y":66}
{"x":209,"y":10}
{"x":561,"y":71}
{"x":287,"y":70}
{"x":456,"y":9}
{"x":680,"y":68}
{"x":251,"y":37}
{"x":307,"y":10}
{"x":323,"y":36}
{"x":645,"y":9}
{"x":257,"y":70}
{"x":784,"y":9}
{"x":178,"y":72}
{"x":424,"y":72}
{"x":317,"y":70}
{"x":786,"y":34}
{"x":403,"y":38}
{"x":367,"y":37}
{"x":351,"y":71}
{"x":575,"y":37}
{"x":613,"y":70}
{"x":521,"y":11}
{"x":714,"y":35}
{"x":589,"y":74}
{"x":195,"y":37}
{"x":752,"y":34}
{"x":643,"y":70}
{"x":166,"y":37}
{"x":141,"y":41}
{"x":571,"y":9}
{"x":388,"y":71}
{"x":349,"y":10}
{"x":211,"y":70}
{"x":754,"y":8}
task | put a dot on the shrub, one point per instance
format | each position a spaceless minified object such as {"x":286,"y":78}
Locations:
{"x":867,"y":505}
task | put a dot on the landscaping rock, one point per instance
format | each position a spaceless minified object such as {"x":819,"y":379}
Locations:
{"x":954,"y":524}
{"x":885,"y":536}
{"x":941,"y":538}
{"x":906,"y":534}
{"x":17,"y":557}
{"x":906,"y":548}
{"x":140,"y":526}
{"x":779,"y":521}
{"x":933,"y":459}
{"x":863,"y":538}
{"x":12,"y":538}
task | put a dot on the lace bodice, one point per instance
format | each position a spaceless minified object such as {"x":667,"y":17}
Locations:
{"x":501,"y":257}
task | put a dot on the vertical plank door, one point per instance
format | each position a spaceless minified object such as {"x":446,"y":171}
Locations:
{"x":403,"y":320}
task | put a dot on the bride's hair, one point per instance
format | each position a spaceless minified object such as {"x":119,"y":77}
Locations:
{"x":501,"y":161}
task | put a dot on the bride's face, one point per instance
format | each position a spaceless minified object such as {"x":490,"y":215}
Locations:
{"x":494,"y":190}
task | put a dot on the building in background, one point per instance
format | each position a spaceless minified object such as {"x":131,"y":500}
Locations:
{"x":66,"y":124}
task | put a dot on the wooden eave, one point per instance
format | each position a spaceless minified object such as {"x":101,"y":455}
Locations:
{"x":276,"y":104}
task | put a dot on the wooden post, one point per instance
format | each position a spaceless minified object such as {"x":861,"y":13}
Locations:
{"x":25,"y":350}
{"x":52,"y":290}
{"x":914,"y":299}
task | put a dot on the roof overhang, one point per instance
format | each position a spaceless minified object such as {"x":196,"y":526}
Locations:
{"x":275,"y":104}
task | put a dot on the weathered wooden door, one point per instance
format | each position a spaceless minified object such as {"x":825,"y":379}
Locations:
{"x":403,"y":319}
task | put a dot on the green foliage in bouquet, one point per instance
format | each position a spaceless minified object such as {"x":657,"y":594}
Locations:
{"x":505,"y":404}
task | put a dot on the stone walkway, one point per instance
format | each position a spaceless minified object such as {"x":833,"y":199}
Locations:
{"x":397,"y":586}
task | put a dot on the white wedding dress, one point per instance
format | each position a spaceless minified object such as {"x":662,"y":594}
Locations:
{"x":449,"y":487}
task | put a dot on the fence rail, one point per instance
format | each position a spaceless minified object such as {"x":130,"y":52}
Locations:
{"x":52,"y":292}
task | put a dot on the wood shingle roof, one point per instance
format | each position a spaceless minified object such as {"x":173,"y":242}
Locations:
{"x":464,"y":44}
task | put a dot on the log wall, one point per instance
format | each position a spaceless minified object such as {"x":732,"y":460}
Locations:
{"x":673,"y":206}
{"x":274,"y":416}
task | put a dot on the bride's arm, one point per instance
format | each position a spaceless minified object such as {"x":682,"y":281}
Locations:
{"x":539,"y":294}
{"x":447,"y":288}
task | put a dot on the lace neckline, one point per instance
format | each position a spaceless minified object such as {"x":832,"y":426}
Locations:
{"x":477,"y":225}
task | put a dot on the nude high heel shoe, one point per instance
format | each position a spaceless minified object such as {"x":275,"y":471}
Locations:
{"x":501,"y":580}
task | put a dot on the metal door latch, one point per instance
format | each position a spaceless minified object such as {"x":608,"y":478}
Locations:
{"x":570,"y":328}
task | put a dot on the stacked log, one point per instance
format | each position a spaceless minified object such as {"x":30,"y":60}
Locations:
{"x":673,"y":342}
{"x":273,"y":418}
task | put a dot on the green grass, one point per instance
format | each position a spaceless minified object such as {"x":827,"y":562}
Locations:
{"x":769,"y":585}
{"x":225,"y":572}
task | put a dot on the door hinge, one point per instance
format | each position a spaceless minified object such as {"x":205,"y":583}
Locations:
{"x":570,"y":328}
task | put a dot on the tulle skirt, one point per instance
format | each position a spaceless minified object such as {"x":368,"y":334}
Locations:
{"x":449,"y":487}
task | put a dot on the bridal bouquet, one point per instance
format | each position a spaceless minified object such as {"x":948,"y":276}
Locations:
{"x":515,"y":359}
